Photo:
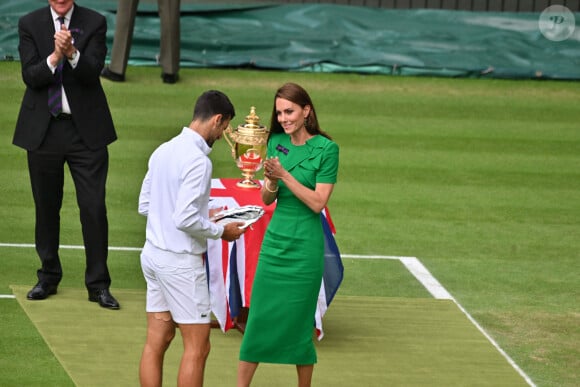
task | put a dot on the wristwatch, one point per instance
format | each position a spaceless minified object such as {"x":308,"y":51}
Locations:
{"x":74,"y":55}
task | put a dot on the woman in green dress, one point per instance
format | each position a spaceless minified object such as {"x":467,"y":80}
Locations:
{"x":300,"y":173}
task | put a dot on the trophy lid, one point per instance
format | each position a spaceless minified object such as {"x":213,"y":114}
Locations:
{"x":252,"y":125}
{"x":252,"y":119}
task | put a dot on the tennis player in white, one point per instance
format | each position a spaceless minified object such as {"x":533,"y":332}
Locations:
{"x":174,"y":197}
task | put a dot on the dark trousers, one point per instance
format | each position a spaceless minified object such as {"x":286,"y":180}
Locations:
{"x":88,"y":169}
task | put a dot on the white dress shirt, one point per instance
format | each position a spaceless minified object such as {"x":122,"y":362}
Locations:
{"x":175,"y":196}
{"x":73,"y":62}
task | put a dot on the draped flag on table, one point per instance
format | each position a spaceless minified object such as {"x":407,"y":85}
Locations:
{"x":231,"y":265}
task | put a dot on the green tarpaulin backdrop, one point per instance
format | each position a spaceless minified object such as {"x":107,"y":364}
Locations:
{"x":333,"y":38}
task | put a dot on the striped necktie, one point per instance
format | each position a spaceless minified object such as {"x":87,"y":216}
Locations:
{"x":55,"y":90}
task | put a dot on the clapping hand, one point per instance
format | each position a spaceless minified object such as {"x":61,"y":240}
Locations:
{"x":64,"y":43}
{"x":273,"y":170}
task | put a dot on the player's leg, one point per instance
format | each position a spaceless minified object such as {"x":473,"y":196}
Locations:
{"x":196,"y":347}
{"x":160,"y":333}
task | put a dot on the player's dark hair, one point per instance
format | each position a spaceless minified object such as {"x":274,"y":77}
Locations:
{"x":213,"y":102}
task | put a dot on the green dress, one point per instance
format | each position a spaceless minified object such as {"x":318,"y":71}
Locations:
{"x":289,"y":271}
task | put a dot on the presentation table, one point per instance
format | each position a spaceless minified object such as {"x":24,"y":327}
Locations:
{"x":232,"y":265}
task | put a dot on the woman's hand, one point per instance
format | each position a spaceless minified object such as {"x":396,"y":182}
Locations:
{"x":315,"y":199}
{"x":273,"y":170}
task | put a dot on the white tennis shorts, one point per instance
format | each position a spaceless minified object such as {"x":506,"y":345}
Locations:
{"x":183,"y":291}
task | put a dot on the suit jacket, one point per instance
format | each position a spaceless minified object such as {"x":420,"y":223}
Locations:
{"x":86,"y":97}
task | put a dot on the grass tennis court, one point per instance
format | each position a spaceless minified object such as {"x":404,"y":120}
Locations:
{"x":375,"y":341}
{"x":480,"y":179}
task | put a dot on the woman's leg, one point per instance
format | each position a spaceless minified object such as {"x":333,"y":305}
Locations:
{"x":246,"y":372}
{"x":305,"y":374}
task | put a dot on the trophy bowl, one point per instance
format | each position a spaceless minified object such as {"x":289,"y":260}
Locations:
{"x":249,"y":145}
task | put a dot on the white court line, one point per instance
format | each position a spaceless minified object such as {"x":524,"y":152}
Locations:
{"x":412,"y":264}
{"x":69,"y":247}
{"x":439,"y":292}
{"x":424,"y":276}
{"x":417,"y":269}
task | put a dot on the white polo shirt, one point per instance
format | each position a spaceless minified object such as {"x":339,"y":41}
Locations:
{"x":175,"y":195}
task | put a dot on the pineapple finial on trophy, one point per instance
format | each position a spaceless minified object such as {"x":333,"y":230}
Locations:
{"x":252,"y":120}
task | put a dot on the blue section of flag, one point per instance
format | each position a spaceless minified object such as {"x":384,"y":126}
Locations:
{"x":333,"y":268}
{"x":235,"y":296}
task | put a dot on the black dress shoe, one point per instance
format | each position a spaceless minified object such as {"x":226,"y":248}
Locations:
{"x":104,"y":298}
{"x":169,"y":78}
{"x":111,"y":76}
{"x":41,"y":291}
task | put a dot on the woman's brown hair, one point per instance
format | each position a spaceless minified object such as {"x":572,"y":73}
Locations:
{"x":296,"y":94}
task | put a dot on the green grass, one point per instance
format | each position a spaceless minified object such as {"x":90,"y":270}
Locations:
{"x":480,"y":179}
{"x":24,"y":352}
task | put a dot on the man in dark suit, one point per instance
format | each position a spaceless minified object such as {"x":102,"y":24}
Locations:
{"x":65,"y":118}
{"x":169,"y":13}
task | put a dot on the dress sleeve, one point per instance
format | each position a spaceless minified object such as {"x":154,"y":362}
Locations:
{"x":329,"y":166}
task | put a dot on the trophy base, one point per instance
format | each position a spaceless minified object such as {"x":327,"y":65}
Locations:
{"x":248,"y":184}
